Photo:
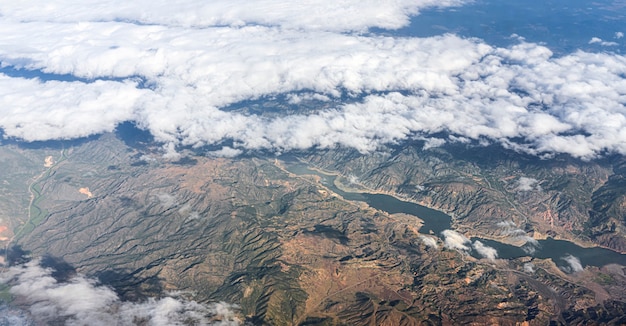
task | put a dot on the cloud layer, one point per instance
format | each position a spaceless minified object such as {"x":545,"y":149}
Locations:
{"x":340,"y":15}
{"x":172,"y":69}
{"x":80,"y":301}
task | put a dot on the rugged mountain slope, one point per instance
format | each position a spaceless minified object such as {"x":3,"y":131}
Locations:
{"x":608,"y":210}
{"x":483,"y":186}
{"x":289,"y":251}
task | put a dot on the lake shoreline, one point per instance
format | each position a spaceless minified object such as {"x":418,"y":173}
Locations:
{"x":391,"y":203}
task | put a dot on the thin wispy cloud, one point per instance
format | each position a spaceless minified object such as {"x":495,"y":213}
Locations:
{"x":510,"y":230}
{"x":573,"y":264}
{"x":529,"y":268}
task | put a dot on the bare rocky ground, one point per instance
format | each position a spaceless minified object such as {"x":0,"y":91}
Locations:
{"x":289,"y":251}
{"x":561,"y":197}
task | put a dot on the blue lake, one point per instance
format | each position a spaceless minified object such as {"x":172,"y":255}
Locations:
{"x":436,"y":221}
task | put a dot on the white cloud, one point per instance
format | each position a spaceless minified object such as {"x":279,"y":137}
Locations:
{"x":32,"y":110}
{"x":298,"y":98}
{"x":531,"y":245}
{"x":166,"y":200}
{"x":198,"y":58}
{"x":455,"y":240}
{"x":526,"y":184}
{"x":619,"y":35}
{"x":429,"y":241}
{"x":596,"y":40}
{"x":485,"y":251}
{"x":509,"y":229}
{"x":314,"y":14}
{"x":433,"y":142}
{"x":226,"y":151}
{"x":193,"y":216}
{"x":187,"y":212}
{"x":529,"y":268}
{"x":574,"y":264}
{"x":80,"y":301}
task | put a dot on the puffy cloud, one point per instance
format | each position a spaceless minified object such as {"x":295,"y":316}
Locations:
{"x":80,"y":301}
{"x":619,"y":35}
{"x":455,"y":240}
{"x":597,"y":40}
{"x":429,"y":241}
{"x":33,"y":110}
{"x":484,"y":250}
{"x":226,"y":151}
{"x":574,"y":264}
{"x":314,"y":14}
{"x":526,"y":184}
{"x":174,"y":70}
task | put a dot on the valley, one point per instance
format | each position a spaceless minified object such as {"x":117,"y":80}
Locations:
{"x":312,"y":248}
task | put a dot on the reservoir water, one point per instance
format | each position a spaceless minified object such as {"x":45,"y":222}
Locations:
{"x":436,"y":221}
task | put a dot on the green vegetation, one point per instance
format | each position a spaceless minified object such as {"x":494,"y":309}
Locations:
{"x":605,"y":279}
{"x":5,"y":295}
{"x":36,"y":213}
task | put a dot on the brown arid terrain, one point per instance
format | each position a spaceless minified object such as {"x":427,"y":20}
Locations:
{"x":561,"y":197}
{"x":289,"y":251}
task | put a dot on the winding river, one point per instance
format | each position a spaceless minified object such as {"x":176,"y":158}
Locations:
{"x":436,"y":221}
